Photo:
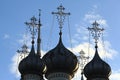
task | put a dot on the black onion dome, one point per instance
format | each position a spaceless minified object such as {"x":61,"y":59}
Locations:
{"x":60,"y":59}
{"x":97,"y":68}
{"x":32,"y":64}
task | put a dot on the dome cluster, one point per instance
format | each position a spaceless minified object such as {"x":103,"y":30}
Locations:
{"x":59,"y":59}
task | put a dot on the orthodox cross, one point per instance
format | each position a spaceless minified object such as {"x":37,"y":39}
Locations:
{"x":82,"y":61}
{"x":24,"y":50}
{"x":34,"y":27}
{"x":95,"y":31}
{"x":60,"y":16}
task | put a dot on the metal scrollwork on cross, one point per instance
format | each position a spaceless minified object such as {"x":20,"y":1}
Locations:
{"x":32,"y":26}
{"x":60,"y":15}
{"x":23,"y":51}
{"x":95,"y":31}
{"x":82,"y":61}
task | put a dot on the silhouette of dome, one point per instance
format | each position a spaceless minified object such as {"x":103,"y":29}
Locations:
{"x":60,"y":59}
{"x":32,"y":64}
{"x":97,"y":68}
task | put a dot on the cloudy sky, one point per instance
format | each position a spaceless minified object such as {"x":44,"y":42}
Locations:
{"x":13,"y":14}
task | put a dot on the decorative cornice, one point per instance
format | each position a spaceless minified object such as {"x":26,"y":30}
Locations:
{"x":59,"y":75}
{"x":31,"y":76}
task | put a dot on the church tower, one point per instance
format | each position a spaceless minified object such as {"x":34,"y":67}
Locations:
{"x":97,"y":69}
{"x":61,"y":63}
{"x":32,"y":67}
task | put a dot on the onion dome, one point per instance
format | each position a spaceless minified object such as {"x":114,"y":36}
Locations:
{"x":60,"y":59}
{"x":32,"y":64}
{"x":97,"y":68}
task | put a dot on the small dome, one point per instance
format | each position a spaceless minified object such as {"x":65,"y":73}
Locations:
{"x":97,"y":68}
{"x":60,"y":59}
{"x":32,"y":64}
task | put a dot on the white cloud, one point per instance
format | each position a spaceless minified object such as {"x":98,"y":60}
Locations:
{"x":107,"y":50}
{"x":104,"y":51}
{"x":6,"y":36}
{"x":115,"y":75}
{"x":26,"y":39}
{"x":14,"y":65}
{"x":82,"y":35}
{"x":77,"y":75}
{"x":75,"y":42}
{"x":93,"y":15}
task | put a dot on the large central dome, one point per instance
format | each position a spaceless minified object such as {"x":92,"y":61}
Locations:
{"x":60,"y":59}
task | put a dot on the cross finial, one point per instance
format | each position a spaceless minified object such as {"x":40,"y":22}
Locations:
{"x":60,"y":16}
{"x":32,"y":26}
{"x":24,"y":50}
{"x":95,"y":31}
{"x":82,"y":61}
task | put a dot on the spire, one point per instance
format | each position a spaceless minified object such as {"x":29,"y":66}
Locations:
{"x":39,"y":39}
{"x":60,"y":17}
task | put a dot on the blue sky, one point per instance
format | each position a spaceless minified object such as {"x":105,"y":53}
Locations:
{"x":13,"y":14}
